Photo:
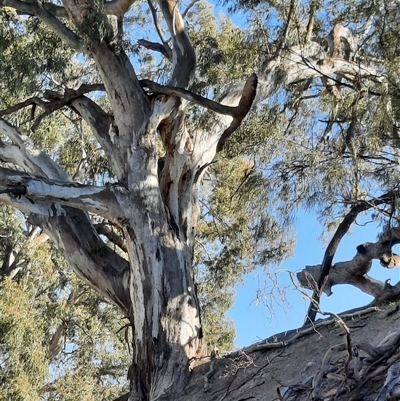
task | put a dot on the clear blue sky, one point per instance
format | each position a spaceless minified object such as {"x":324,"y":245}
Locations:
{"x":255,"y":322}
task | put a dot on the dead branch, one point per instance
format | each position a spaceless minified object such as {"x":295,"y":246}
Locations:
{"x":392,"y":379}
{"x":157,"y":47}
{"x":324,"y":282}
{"x":55,"y":101}
{"x":245,"y":103}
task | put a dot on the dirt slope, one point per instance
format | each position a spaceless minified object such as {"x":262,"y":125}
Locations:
{"x":311,"y":364}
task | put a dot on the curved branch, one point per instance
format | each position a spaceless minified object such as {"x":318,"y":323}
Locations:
{"x":70,"y":229}
{"x":245,"y":103}
{"x":159,"y":31}
{"x":95,"y":262}
{"x":105,"y":131}
{"x":238,"y":112}
{"x":189,"y":7}
{"x":355,"y":271}
{"x":340,"y":232}
{"x":55,"y":101}
{"x":100,"y":123}
{"x":156,"y":88}
{"x":156,"y":47}
{"x":183,"y":55}
{"x":23,"y":153}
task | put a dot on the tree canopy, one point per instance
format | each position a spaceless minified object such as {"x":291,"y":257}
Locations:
{"x":165,"y":151}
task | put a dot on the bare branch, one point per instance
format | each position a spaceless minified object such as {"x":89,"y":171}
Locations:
{"x":183,"y":55}
{"x":29,"y":102}
{"x":156,"y":88}
{"x":96,"y":263}
{"x":340,"y":232}
{"x":55,"y":101}
{"x":23,"y":153}
{"x":246,"y":101}
{"x":105,"y":131}
{"x":159,"y":30}
{"x":189,"y":7}
{"x":99,"y":200}
{"x":292,"y":8}
{"x":238,"y":112}
{"x":311,"y":20}
{"x":157,"y":47}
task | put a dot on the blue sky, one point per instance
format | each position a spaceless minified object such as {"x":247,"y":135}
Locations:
{"x":256,"y":322}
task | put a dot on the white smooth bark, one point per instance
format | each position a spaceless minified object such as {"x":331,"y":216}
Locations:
{"x":104,"y":201}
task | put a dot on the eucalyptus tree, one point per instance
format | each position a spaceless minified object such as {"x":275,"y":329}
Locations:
{"x":158,"y":138}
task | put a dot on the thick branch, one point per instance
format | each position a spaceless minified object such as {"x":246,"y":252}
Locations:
{"x":101,"y":123}
{"x":55,"y":101}
{"x":105,"y":131}
{"x":157,"y":47}
{"x":99,"y":200}
{"x":355,"y":271}
{"x":117,"y":7}
{"x":183,"y":55}
{"x":127,"y":98}
{"x":299,"y":63}
{"x":71,"y":230}
{"x":23,"y":153}
{"x":334,"y":243}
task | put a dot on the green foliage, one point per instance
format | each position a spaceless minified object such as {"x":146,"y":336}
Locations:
{"x":31,"y":54}
{"x":216,"y":44}
{"x":93,"y":358}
